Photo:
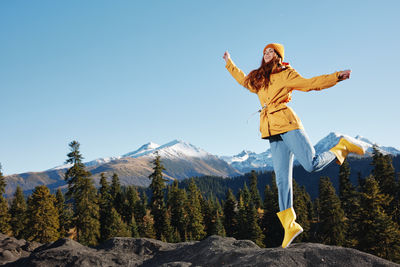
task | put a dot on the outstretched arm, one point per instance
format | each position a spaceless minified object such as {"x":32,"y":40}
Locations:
{"x":297,"y":82}
{"x":236,"y":73}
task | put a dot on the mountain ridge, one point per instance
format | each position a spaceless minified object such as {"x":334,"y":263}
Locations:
{"x":181,"y":159}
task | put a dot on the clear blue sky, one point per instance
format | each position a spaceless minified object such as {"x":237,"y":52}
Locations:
{"x":114,"y":75}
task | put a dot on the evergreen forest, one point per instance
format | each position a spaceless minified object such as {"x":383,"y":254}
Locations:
{"x":364,"y":215}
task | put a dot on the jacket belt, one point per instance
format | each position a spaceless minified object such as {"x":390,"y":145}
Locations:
{"x":271,"y":109}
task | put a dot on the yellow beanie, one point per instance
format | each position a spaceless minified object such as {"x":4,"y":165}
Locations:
{"x":278,"y":49}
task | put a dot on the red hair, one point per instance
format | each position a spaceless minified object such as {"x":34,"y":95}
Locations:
{"x":260,"y":77}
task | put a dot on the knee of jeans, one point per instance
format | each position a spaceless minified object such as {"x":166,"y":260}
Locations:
{"x":309,"y":167}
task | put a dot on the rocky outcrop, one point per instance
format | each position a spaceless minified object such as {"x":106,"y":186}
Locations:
{"x":11,"y":249}
{"x":213,"y":251}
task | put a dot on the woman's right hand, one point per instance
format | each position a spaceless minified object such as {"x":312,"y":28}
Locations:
{"x":344,"y":75}
{"x":226,"y":56}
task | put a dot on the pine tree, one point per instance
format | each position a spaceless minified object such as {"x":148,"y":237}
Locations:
{"x":255,"y":233}
{"x":219,"y":219}
{"x":133,"y":227}
{"x":18,"y":214}
{"x":384,"y":174}
{"x":270,"y":225}
{"x":230,"y":216}
{"x":111,"y":223}
{"x":195,"y":227}
{"x":345,"y":186}
{"x":247,"y":218}
{"x":129,"y":210}
{"x":117,"y":195}
{"x":302,"y":205}
{"x":77,"y":172}
{"x":66,"y":214}
{"x":130,"y":202}
{"x":332,"y":226}
{"x":396,"y":202}
{"x":42,"y":214}
{"x":243,"y":200}
{"x":87,"y":214}
{"x":140,"y":213}
{"x":212,"y":218}
{"x":241,"y":217}
{"x":105,"y":206}
{"x":349,"y":198}
{"x":377,"y":233}
{"x":158,"y":208}
{"x":176,"y":204}
{"x":4,"y":214}
{"x":83,"y":192}
{"x":115,"y":186}
{"x":255,"y":194}
{"x":116,"y":226}
{"x":148,"y":226}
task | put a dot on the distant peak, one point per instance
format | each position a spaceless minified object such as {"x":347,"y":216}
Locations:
{"x":359,"y":137}
{"x":334,"y":134}
{"x":151,"y":145}
{"x":173,"y":142}
{"x":245,"y":152}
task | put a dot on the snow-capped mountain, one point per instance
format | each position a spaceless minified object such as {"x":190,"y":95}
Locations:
{"x":333,"y":138}
{"x":180,"y":159}
{"x":246,"y":161}
{"x":173,"y":149}
{"x":95,"y":162}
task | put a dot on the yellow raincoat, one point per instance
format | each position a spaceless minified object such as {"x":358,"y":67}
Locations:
{"x":276,"y":117}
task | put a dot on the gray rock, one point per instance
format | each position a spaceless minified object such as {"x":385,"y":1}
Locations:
{"x":11,"y":249}
{"x":212,"y":251}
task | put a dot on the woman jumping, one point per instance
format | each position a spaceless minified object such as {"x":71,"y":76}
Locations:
{"x":274,"y":82}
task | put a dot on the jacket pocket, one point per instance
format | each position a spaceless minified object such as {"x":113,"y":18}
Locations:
{"x":279,"y":118}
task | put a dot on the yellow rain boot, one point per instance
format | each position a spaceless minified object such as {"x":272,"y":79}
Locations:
{"x":343,"y":148}
{"x":292,"y":229}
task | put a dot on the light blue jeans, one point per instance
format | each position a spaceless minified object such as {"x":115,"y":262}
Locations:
{"x":283,"y":148}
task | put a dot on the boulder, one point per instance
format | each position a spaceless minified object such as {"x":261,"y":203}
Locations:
{"x":11,"y":249}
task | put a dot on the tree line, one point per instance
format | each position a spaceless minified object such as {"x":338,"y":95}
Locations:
{"x":365,"y":217}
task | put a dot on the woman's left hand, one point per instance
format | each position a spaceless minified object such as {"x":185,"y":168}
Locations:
{"x":344,"y":75}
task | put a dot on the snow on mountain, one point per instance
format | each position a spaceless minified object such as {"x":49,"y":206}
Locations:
{"x":242,"y":156}
{"x":383,"y":149}
{"x":65,"y":166}
{"x":171,"y":150}
{"x":248,"y":160}
{"x":95,"y":162}
{"x":333,"y":138}
{"x":100,"y":161}
{"x":143,"y":150}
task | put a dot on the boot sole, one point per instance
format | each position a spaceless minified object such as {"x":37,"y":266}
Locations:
{"x":290,"y":242}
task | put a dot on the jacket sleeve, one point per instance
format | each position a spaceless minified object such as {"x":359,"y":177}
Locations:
{"x":297,"y":82}
{"x":238,"y":74}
